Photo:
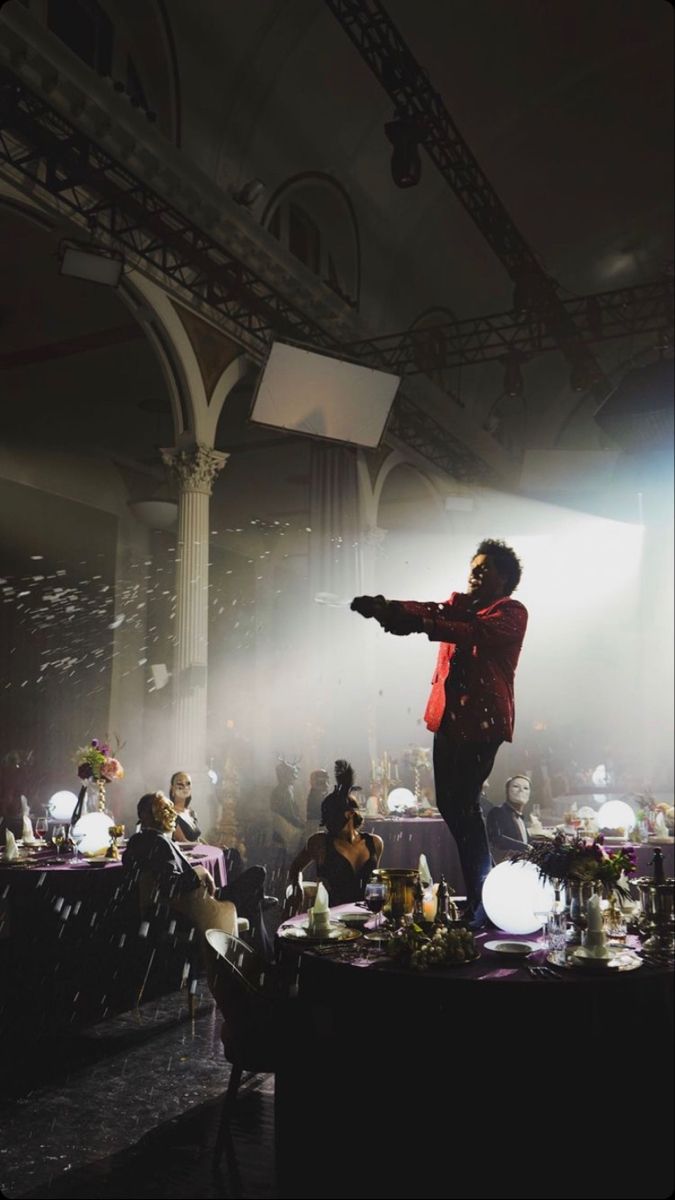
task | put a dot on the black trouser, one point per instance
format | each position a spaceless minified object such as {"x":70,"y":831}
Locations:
{"x":460,"y":770}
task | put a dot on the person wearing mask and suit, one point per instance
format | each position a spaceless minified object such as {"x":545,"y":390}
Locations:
{"x":506,"y":829}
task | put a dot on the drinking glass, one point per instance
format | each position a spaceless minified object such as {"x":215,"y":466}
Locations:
{"x":542,"y":916}
{"x":557,"y":936}
{"x":41,"y":828}
{"x":58,"y":837}
{"x":374,"y":896}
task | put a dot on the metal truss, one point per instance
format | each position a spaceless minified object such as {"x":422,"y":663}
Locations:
{"x":625,"y":312}
{"x":380,"y":44}
{"x":41,"y":147}
{"x":89,"y":185}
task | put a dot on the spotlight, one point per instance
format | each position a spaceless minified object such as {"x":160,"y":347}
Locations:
{"x":97,"y":265}
{"x":406,"y":165}
{"x":513,"y":378}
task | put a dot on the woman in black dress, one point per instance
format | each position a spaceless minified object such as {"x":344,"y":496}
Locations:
{"x":180,"y":793}
{"x":344,"y":857}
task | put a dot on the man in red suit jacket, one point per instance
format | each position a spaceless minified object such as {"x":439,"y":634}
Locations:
{"x":470,"y":709}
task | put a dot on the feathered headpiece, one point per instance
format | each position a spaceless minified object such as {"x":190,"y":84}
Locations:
{"x":334,"y":805}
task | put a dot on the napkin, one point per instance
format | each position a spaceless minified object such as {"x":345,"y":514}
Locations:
{"x":318,"y":920}
{"x":321,"y":902}
{"x":594,"y":915}
{"x":27,"y":833}
{"x":11,"y":849}
{"x":425,"y":873}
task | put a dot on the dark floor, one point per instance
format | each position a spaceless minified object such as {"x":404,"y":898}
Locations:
{"x":129,"y":1108}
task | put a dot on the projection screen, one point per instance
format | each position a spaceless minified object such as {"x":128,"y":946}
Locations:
{"x":323,"y":397}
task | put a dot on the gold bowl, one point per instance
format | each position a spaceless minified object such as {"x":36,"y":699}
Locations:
{"x":399,"y":899}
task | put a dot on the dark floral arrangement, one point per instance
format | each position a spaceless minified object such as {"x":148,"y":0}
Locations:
{"x":578,"y":859}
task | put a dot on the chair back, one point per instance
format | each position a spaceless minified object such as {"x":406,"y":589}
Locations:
{"x":233,"y":960}
{"x":249,"y":1010}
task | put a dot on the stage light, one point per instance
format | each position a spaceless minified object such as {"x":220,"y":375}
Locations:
{"x":97,"y":265}
{"x":616,"y":814}
{"x":406,"y":165}
{"x":61,"y":805}
{"x":513,"y":378}
{"x":513,"y":893}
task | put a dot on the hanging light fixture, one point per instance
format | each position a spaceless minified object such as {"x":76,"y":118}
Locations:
{"x":406,"y":165}
{"x":513,"y":376}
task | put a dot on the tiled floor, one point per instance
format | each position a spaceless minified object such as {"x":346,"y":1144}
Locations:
{"x":129,"y":1108}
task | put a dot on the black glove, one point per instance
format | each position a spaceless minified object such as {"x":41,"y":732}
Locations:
{"x":368,"y":606}
{"x":397,"y":621}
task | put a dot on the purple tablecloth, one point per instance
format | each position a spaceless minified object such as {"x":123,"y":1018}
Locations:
{"x":211,"y":857}
{"x":406,"y":838}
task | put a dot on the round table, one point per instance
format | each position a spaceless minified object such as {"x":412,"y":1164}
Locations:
{"x":478,"y":1080}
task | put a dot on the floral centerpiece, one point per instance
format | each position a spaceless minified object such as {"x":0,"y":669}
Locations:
{"x":577,"y":859}
{"x":97,"y":763}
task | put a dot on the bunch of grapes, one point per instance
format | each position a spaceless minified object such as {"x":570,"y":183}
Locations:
{"x":443,"y":946}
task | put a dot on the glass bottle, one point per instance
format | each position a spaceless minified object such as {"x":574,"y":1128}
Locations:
{"x":418,"y":906}
{"x":442,"y":904}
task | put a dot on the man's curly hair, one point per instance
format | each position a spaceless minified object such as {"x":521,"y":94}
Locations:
{"x":505,"y":559}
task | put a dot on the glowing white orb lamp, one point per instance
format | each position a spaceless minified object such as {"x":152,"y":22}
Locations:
{"x":91,"y":833}
{"x":513,"y":893}
{"x":399,"y":799}
{"x":616,"y":814}
{"x":62,"y":805}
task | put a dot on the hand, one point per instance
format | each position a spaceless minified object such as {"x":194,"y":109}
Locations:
{"x":397,"y":621}
{"x":368,"y":606}
{"x":207,"y":880}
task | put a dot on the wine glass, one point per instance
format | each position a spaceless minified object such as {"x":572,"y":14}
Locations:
{"x":374,"y":897}
{"x":58,"y":837}
{"x":41,"y":828}
{"x":542,"y":915}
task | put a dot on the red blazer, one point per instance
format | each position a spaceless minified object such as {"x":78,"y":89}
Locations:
{"x":484,"y":711}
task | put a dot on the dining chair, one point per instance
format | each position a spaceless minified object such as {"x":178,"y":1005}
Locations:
{"x":255,"y":1007}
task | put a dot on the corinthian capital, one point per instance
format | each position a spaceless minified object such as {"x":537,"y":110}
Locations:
{"x":195,"y":468}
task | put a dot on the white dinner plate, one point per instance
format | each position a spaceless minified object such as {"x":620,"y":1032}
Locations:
{"x":513,"y":949}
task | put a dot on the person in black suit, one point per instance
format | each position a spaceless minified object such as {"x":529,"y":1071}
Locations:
{"x":506,"y":828}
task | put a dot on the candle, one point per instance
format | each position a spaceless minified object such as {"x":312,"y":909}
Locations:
{"x":429,"y":905}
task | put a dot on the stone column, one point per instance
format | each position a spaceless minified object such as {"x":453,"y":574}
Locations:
{"x":194,"y":469}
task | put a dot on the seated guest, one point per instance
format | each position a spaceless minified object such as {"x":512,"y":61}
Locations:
{"x":180,"y":794}
{"x":344,"y":857}
{"x":505,"y":825}
{"x":163,"y":870}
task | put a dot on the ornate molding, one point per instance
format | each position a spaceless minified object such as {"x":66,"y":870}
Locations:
{"x":195,"y":468}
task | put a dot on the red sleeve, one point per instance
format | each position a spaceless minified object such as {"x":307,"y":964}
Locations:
{"x":502,"y":623}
